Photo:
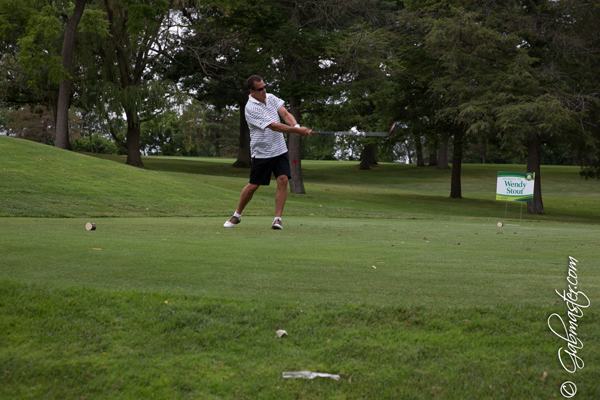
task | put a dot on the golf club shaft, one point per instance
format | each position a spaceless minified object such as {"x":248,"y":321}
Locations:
{"x":350,"y":133}
{"x":353,"y":133}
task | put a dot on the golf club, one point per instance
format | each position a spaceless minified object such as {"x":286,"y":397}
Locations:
{"x":352,"y":133}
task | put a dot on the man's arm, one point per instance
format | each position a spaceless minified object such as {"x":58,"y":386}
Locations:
{"x":286,"y":116}
{"x":289,"y":128}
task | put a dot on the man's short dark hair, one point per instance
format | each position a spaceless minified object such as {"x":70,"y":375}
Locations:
{"x":251,"y":80}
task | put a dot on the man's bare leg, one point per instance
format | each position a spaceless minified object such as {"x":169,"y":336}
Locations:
{"x":280,"y":194}
{"x":246,"y":196}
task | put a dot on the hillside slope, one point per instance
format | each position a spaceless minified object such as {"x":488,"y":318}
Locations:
{"x":42,"y":181}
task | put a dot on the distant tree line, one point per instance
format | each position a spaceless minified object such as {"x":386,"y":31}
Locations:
{"x":468,"y":81}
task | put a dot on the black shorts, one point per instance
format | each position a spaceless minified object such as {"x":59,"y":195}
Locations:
{"x":261,"y":169}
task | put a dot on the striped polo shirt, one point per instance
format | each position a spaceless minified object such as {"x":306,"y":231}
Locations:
{"x":264,"y":142}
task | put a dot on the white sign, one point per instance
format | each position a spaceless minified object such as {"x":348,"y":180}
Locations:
{"x":515,"y":186}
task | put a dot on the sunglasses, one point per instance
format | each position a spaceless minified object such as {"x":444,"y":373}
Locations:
{"x":260,"y":89}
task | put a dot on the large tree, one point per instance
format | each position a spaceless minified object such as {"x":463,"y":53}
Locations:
{"x":500,"y":76}
{"x":64,"y":88}
{"x":39,"y":45}
{"x":409,"y":100}
{"x":316,"y":58}
{"x":579,"y":45}
{"x":30,"y":68}
{"x":219,"y":51}
{"x":289,"y":43}
{"x":139,"y":34}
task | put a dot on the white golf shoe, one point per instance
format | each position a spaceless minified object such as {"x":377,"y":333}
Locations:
{"x":231,"y":222}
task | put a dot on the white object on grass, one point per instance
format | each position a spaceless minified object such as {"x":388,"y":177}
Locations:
{"x":309,"y":375}
{"x":280,"y":333}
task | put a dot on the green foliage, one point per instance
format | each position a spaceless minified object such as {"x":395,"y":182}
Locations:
{"x":499,"y":76}
{"x":319,"y":147}
{"x":221,"y":128}
{"x":37,"y":124}
{"x":40,"y":47}
{"x":141,"y":17}
{"x":93,"y":22}
{"x":30,"y":60}
{"x":14,"y":15}
{"x":94,"y":144}
{"x":31,"y":123}
{"x":552,"y":153}
{"x":497,"y":71}
{"x":218,"y":53}
{"x":198,"y":131}
{"x":122,"y":76}
{"x":162,"y":135}
{"x":31,"y":65}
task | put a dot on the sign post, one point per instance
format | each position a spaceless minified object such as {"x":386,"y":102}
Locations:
{"x":514,"y":186}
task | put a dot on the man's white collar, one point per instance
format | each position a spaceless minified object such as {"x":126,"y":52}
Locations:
{"x":256,"y":101}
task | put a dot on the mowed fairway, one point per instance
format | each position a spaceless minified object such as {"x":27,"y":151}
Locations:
{"x":379,"y":278}
{"x":313,"y":260}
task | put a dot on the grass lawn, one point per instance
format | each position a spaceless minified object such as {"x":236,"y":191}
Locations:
{"x":377,"y":277}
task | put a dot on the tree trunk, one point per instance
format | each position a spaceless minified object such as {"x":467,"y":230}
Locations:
{"x":576,"y":161}
{"x":53,"y":107}
{"x":244,"y":158}
{"x":533,"y":165}
{"x":134,"y":158}
{"x":295,"y":148}
{"x":483,"y":151}
{"x":295,"y":141}
{"x":217,"y":148}
{"x":455,"y":187}
{"x":295,"y":153}
{"x":64,"y":88}
{"x":443,"y":155}
{"x":367,"y":158}
{"x":433,"y":161}
{"x":419,"y":148}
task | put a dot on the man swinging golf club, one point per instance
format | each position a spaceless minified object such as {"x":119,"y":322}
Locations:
{"x":267,"y":146}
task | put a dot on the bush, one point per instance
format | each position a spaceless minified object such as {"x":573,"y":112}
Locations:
{"x":94,"y":144}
